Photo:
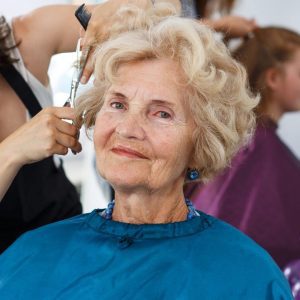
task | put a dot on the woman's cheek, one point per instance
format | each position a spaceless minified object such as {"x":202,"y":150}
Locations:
{"x":104,"y":126}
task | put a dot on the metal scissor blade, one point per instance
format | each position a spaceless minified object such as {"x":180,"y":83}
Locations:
{"x":80,"y":63}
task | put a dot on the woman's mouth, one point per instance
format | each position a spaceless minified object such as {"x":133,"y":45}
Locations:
{"x":127,"y":152}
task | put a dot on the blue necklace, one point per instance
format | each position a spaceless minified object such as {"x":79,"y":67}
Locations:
{"x":107,"y":213}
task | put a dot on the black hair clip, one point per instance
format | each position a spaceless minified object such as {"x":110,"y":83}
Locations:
{"x":83,"y":16}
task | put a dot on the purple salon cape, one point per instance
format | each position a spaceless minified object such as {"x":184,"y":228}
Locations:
{"x":292,"y":273}
{"x":259,"y":194}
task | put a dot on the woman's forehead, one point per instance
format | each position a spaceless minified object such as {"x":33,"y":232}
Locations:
{"x":158,"y":94}
{"x":158,"y":79}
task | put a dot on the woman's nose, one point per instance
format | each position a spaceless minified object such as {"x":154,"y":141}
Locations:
{"x":131,"y":126}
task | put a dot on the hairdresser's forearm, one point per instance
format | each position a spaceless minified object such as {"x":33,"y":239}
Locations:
{"x":8,"y":170}
{"x":231,"y":26}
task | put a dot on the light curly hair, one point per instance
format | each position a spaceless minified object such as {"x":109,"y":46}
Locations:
{"x":216,"y":84}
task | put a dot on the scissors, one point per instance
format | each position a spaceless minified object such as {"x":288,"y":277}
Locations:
{"x":81,"y":59}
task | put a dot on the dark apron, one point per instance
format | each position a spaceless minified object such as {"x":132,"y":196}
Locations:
{"x":40,"y":193}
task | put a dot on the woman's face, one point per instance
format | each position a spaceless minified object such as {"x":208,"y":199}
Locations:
{"x":287,"y":89}
{"x":143,"y":132}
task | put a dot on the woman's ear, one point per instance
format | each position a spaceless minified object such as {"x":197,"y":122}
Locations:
{"x":272,"y":78}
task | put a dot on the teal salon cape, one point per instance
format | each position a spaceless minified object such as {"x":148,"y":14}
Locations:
{"x":88,"y":257}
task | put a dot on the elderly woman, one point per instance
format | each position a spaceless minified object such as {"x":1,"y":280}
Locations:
{"x":168,"y":105}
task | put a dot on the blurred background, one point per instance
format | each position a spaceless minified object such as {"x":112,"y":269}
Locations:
{"x":81,"y":167}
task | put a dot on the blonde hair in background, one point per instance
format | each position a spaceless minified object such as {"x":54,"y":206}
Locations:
{"x":216,"y":84}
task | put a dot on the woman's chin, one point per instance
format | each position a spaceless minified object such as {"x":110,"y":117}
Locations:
{"x":124,"y":181}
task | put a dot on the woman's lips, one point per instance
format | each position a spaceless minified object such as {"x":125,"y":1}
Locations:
{"x":123,"y":151}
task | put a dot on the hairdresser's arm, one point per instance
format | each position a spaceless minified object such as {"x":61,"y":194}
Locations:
{"x":232,"y":26}
{"x":44,"y":135}
{"x":44,"y":32}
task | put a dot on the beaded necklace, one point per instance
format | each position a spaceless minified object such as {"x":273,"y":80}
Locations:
{"x":107,"y":213}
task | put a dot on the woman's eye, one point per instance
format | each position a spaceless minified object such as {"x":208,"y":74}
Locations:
{"x":163,"y":115}
{"x":117,"y":105}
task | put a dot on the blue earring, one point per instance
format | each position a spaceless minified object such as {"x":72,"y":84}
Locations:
{"x":193,"y":174}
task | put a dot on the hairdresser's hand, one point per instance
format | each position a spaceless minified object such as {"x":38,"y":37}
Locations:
{"x":102,"y":19}
{"x":103,"y":16}
{"x":233,"y":26}
{"x":44,"y":135}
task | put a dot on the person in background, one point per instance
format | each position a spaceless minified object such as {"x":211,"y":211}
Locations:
{"x":168,"y":105}
{"x":259,"y":192}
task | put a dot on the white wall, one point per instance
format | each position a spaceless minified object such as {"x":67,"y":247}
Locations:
{"x":12,"y":8}
{"x":271,"y":12}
